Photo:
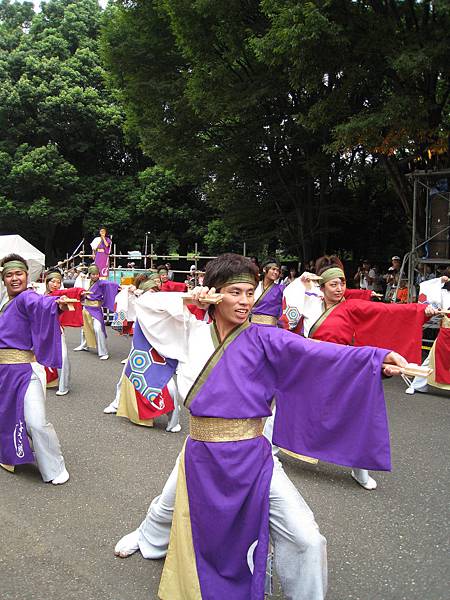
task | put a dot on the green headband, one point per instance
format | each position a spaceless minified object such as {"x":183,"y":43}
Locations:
{"x":93,"y":269}
{"x":149,"y":284}
{"x":12,"y":265}
{"x":271,"y":265}
{"x":240,"y":278}
{"x":53,"y":275}
{"x":332,"y":273}
{"x":163,"y":271}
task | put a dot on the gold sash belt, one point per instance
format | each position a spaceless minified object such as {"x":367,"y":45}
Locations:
{"x":264,"y":320}
{"x":92,"y":303}
{"x":11,"y":356}
{"x":216,"y":429}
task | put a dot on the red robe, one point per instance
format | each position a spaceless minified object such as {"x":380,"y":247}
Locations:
{"x":71,"y":318}
{"x":442,"y":356}
{"x":352,"y":294}
{"x":173,"y":286}
{"x":397,"y":327}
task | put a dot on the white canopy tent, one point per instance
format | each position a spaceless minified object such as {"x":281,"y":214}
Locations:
{"x":18,"y":245}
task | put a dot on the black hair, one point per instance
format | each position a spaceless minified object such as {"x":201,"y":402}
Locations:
{"x":140,"y":278}
{"x":327,"y":262}
{"x":270,"y":260}
{"x":219,"y":270}
{"x":11,"y":257}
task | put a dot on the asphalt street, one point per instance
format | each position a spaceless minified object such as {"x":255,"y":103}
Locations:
{"x":57,"y":541}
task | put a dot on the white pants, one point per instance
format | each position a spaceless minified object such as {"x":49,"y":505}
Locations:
{"x":64,"y":372}
{"x":174,"y":415}
{"x":100,"y":338}
{"x":46,"y":446}
{"x":299,"y":548}
{"x":115,"y":402}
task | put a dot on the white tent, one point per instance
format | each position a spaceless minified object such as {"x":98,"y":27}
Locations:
{"x":18,"y":245}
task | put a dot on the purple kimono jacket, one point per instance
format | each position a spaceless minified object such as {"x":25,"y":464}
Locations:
{"x":29,"y":322}
{"x":104,"y":292}
{"x":330,"y":404}
{"x":102,"y":253}
{"x":270,"y":302}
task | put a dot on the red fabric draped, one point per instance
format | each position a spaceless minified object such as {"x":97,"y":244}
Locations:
{"x":442,"y":356}
{"x":396,"y":327}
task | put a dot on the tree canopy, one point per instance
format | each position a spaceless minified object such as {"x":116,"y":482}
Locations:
{"x":286,"y":125}
{"x":283,"y":110}
{"x":66,"y":163}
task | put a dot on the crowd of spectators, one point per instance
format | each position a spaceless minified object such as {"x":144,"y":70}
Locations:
{"x":384,"y":280}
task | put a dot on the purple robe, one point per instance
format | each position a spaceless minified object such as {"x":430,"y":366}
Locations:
{"x":330,"y":404}
{"x":104,"y":292}
{"x":29,"y":322}
{"x":102,"y":253}
{"x":270,"y":302}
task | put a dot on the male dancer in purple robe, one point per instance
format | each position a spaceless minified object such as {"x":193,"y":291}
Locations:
{"x":230,"y":491}
{"x":100,"y":294}
{"x":30,"y":336}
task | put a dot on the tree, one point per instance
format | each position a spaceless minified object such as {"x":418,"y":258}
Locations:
{"x":60,"y":127}
{"x":271,"y":105}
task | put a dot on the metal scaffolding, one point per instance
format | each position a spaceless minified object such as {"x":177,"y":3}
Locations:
{"x":422,"y":180}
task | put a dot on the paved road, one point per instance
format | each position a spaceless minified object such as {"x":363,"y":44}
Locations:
{"x":57,"y":542}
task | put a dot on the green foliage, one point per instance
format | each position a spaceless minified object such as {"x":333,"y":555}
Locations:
{"x":271,"y":105}
{"x":65,"y":164}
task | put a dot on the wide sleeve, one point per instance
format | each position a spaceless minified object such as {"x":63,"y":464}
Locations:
{"x":74,"y":317}
{"x":176,"y":286}
{"x":42,"y":314}
{"x":109,"y":290}
{"x":394,"y":326}
{"x":95,"y":243}
{"x":430,"y":292}
{"x":166,"y":323}
{"x":354,"y":294}
{"x":300,"y":304}
{"x":330,"y":402}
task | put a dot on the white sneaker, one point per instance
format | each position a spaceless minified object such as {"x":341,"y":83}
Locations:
{"x":124,"y":361}
{"x":110,"y":409}
{"x":58,"y":393}
{"x":370,"y":484}
{"x":410,"y":390}
{"x":104,"y":357}
{"x":127,"y":545}
{"x":79,"y":348}
{"x":61,"y":478}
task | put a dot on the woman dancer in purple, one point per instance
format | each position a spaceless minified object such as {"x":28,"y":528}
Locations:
{"x":101,"y":249}
{"x":30,"y":337}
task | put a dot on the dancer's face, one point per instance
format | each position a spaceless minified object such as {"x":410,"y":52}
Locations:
{"x":272,"y":274}
{"x":54,"y":284}
{"x":334,"y":290}
{"x":15,"y":282}
{"x":235,"y":307}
